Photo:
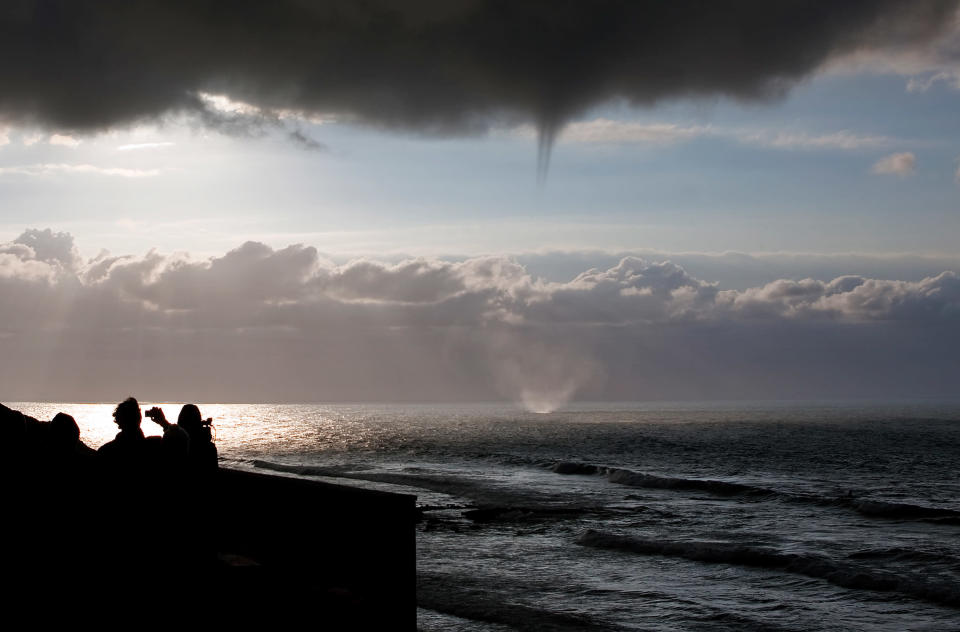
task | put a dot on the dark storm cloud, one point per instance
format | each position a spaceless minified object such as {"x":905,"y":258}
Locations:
{"x":429,"y":65}
{"x":286,"y":324}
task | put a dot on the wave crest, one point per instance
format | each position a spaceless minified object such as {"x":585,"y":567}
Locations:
{"x":840,"y":573}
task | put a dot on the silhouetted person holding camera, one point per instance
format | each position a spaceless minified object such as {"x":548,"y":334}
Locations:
{"x":202,"y":452}
{"x":191,"y":460}
{"x":134,"y":497}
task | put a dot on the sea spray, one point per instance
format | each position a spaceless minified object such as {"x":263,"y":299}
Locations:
{"x":541,"y":373}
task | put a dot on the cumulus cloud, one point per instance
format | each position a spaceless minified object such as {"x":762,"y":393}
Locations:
{"x":901,"y":164}
{"x":603,"y":130}
{"x":923,"y":84}
{"x":937,"y":62}
{"x":138,"y":146}
{"x":430,"y":66}
{"x":64,"y":140}
{"x":56,"y":249}
{"x":844,"y":140}
{"x":255,"y":277}
{"x":288,"y":324}
{"x":606,"y":131}
{"x":742,"y":271}
{"x":849,"y":298}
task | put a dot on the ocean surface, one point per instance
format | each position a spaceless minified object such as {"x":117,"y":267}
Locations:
{"x":707,"y":516}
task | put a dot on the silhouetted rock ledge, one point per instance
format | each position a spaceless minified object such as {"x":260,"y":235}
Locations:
{"x":353,"y":548}
{"x":266,"y":549}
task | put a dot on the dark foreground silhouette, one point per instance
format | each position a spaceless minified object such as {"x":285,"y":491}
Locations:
{"x":148,"y":530}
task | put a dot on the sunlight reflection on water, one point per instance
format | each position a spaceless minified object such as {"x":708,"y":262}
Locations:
{"x":257,"y":428}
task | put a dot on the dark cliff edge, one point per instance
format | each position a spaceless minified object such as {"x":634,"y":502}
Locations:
{"x":348,"y":552}
{"x":245,"y":549}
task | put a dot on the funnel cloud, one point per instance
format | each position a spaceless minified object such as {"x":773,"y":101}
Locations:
{"x":427,"y":66}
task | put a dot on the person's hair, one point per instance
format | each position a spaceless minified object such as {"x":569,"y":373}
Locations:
{"x":191,"y":421}
{"x":127,"y":414}
{"x":64,"y":430}
{"x":189,"y":416}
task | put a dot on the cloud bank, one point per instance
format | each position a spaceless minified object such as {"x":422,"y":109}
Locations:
{"x":426,"y":65}
{"x":288,"y":325}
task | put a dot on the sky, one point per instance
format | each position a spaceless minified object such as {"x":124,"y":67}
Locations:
{"x":475,"y":200}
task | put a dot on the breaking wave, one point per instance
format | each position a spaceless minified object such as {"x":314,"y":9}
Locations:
{"x":865,"y":506}
{"x":839,"y":573}
{"x":720,"y":488}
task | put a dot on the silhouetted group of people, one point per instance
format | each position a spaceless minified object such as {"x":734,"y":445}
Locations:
{"x":138,"y":511}
{"x":186,"y":448}
{"x":41,"y":449}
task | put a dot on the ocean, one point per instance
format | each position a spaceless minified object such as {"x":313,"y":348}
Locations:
{"x":652,"y":516}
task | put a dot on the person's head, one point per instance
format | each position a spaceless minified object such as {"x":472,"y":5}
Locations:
{"x":127,"y":414}
{"x":189,"y":418}
{"x":64,"y":431}
{"x":191,"y":421}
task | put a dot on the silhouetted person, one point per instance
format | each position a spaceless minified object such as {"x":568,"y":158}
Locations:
{"x":202,"y":454}
{"x":130,"y":500}
{"x":66,"y":448}
{"x":37,"y":445}
{"x":65,"y":433}
{"x":65,"y":507}
{"x":46,"y":519}
{"x":176,"y":448}
{"x":192,"y":508}
{"x":126,"y":448}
